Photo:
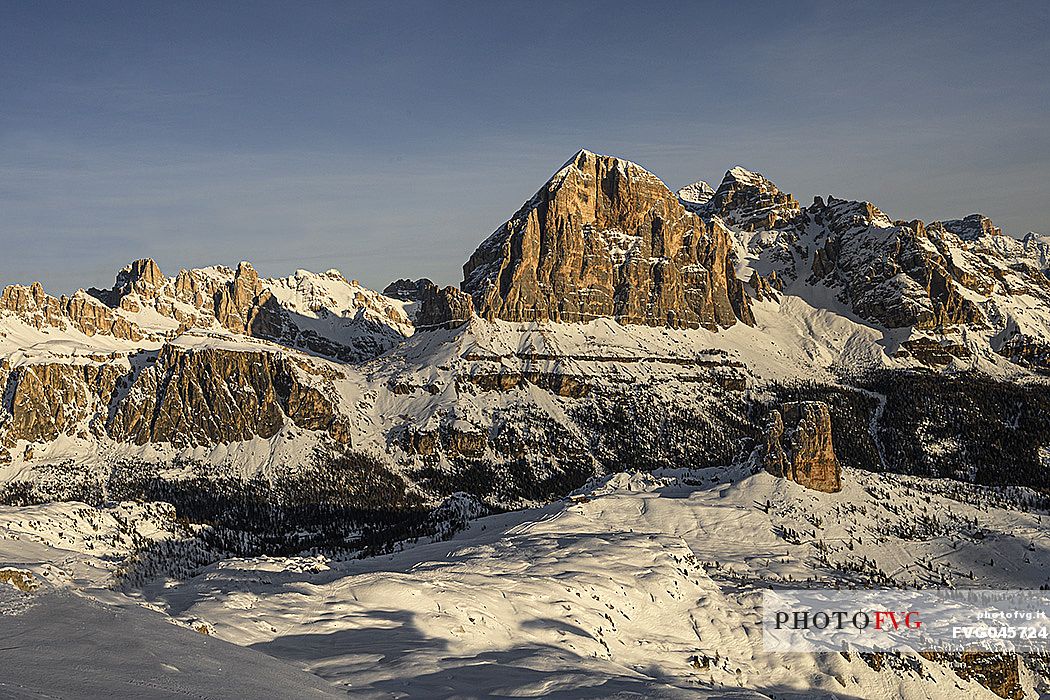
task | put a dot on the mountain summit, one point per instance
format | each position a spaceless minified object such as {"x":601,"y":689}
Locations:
{"x":748,"y":200}
{"x":606,"y":238}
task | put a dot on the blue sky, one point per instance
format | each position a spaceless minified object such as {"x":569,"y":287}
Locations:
{"x":388,"y":139}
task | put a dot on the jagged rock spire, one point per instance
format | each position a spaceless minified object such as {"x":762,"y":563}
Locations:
{"x":140,"y":276}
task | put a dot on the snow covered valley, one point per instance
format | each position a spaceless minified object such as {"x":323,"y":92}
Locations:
{"x":637,"y":585}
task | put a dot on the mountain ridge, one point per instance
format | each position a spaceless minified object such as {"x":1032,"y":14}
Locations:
{"x":600,"y":285}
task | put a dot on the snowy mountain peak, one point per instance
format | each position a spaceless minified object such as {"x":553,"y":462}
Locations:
{"x":743,"y":176}
{"x":573,"y":163}
{"x":585,"y":161}
{"x":696,"y":194}
{"x":749,"y":201}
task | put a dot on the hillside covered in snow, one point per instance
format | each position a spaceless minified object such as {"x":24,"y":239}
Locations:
{"x":636,"y":585}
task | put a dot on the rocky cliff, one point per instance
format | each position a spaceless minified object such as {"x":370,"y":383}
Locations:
{"x":898,"y":273}
{"x":799,"y":446}
{"x":81,"y":312}
{"x":960,"y":289}
{"x":182,"y":396}
{"x":606,"y":238}
{"x":44,"y":401}
{"x":436,"y":307}
{"x":211,"y":396}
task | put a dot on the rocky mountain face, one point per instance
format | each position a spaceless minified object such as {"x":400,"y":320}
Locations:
{"x":41,"y":310}
{"x":210,"y":396}
{"x":605,"y":238}
{"x":1036,"y":248}
{"x":435,"y":307}
{"x":44,"y":401}
{"x":961,"y":288}
{"x":179,"y":395}
{"x":110,"y":365}
{"x":914,"y":275}
{"x":748,"y":201}
{"x":799,"y":446}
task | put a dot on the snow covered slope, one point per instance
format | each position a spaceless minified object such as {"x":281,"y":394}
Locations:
{"x":638,"y":585}
{"x":66,"y":646}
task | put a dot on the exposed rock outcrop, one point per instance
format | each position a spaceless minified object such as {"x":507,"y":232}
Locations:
{"x":141,"y":277}
{"x":998,"y":672}
{"x":606,"y":238}
{"x":799,"y":446}
{"x":896,"y":273}
{"x":766,"y":287}
{"x":236,"y":303}
{"x":738,"y":297}
{"x":43,"y":401}
{"x":972,"y":227}
{"x":183,"y":396}
{"x":1027,"y":351}
{"x":329,"y":315}
{"x":211,"y":396}
{"x":81,"y":311}
{"x":555,"y":382}
{"x":324,"y":313}
{"x":408,"y":290}
{"x":446,"y":307}
{"x":958,"y":281}
{"x":932,"y":352}
{"x":449,"y":439}
{"x":749,"y":202}
{"x":1036,"y":248}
